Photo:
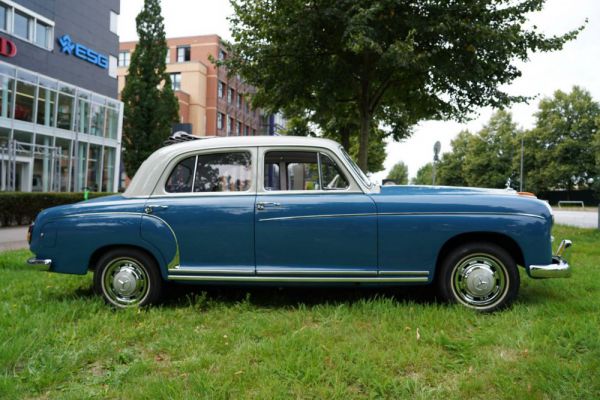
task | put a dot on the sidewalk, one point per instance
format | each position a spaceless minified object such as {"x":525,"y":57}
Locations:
{"x":13,"y":238}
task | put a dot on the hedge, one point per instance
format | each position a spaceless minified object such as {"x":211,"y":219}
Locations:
{"x":20,"y":208}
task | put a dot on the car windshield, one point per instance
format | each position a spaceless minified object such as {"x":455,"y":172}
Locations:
{"x":356,"y":169}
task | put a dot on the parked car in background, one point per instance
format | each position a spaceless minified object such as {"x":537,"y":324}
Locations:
{"x":294,"y":211}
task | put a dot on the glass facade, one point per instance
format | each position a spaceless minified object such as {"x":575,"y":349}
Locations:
{"x":55,"y":136}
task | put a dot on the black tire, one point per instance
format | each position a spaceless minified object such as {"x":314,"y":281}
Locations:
{"x":482,"y":276}
{"x":140,"y":279}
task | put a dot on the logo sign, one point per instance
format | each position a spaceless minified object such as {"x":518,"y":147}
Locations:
{"x":7,"y":48}
{"x":78,"y":50}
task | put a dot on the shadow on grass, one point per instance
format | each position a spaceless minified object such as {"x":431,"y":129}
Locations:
{"x":178,"y":295}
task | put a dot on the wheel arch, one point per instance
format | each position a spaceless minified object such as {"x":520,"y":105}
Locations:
{"x":97,"y":254}
{"x":500,"y":239}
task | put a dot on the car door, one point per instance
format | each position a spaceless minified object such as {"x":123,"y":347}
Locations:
{"x":311,"y":217}
{"x":207,"y":199}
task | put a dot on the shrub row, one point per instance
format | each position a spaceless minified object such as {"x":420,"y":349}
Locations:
{"x":20,"y":208}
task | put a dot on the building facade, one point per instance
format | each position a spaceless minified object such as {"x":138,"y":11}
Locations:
{"x":60,"y":120}
{"x":210,"y":102}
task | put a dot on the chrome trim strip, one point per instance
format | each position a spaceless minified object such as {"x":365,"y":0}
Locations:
{"x":325,"y":279}
{"x":313,"y":272}
{"x":403,"y":273}
{"x":398,"y":214}
{"x":211,"y":271}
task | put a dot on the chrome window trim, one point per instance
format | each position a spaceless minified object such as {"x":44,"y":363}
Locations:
{"x":159,"y":188}
{"x":353,"y":186}
{"x":304,"y":279}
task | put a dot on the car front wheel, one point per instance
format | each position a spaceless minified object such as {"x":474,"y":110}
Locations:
{"x":482,"y":276}
{"x":128,"y":278}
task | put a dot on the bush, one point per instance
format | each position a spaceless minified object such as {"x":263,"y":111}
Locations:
{"x":21,"y":208}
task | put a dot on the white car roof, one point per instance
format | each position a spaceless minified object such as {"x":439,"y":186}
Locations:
{"x":149,"y":172}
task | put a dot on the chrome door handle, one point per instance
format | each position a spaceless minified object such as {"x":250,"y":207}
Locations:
{"x":261,"y":205}
{"x":150,"y":208}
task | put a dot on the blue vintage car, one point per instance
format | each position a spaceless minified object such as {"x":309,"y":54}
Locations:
{"x":294,"y":211}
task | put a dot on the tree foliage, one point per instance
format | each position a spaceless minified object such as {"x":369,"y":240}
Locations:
{"x":450,"y":169}
{"x":399,"y":173}
{"x":424,"y":175}
{"x":394,"y":62}
{"x":560,"y":150}
{"x":150,"y":105}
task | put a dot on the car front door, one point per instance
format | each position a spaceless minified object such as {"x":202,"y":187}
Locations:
{"x":207,"y":200}
{"x":311,"y":218}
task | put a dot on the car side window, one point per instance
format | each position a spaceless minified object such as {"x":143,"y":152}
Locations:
{"x":332,"y":175}
{"x":299,"y":170}
{"x":180,"y":180}
{"x":218,"y":172}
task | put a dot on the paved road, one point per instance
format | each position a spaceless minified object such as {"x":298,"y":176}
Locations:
{"x":581,"y":219}
{"x":13,"y":238}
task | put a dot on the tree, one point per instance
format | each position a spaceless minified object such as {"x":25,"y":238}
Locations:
{"x":424,"y":175}
{"x":151,"y":107}
{"x":560,"y":150}
{"x":449,"y":170}
{"x":491,"y":154}
{"x":384,"y":61}
{"x":399,"y":173}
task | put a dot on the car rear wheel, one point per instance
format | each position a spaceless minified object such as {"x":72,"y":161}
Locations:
{"x":128,"y":278}
{"x":482,"y":276}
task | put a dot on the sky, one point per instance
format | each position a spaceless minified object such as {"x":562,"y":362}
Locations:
{"x":577,"y":64}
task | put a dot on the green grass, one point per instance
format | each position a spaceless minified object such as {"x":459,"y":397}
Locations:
{"x":58,"y":340}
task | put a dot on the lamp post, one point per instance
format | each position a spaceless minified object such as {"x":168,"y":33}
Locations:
{"x":521,"y":178}
{"x":436,"y":151}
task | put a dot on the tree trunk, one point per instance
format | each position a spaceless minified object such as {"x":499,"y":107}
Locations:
{"x":363,"y":142}
{"x":345,"y":137}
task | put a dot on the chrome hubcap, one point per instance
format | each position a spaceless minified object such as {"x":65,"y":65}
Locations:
{"x":125,"y":282}
{"x":479,"y":280}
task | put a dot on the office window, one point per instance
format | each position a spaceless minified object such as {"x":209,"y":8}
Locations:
{"x":239,"y":129}
{"x":220,"y":120}
{"x":64,"y":118}
{"x":247,"y":130}
{"x":3,"y":16}
{"x":229,"y":126}
{"x":22,"y":25}
{"x":82,"y":122}
{"x":42,"y":34}
{"x":168,"y":56}
{"x":222,"y":55}
{"x":124,"y":58}
{"x":239,"y":100}
{"x":24,"y":101}
{"x":114,"y":22}
{"x":98,"y":119}
{"x":112,"y":66}
{"x":220,"y":89}
{"x":26,"y":25}
{"x":230,"y":95}
{"x":176,"y":81}
{"x":183,"y":53}
{"x":46,"y":103}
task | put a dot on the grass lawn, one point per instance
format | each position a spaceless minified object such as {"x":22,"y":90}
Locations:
{"x":58,"y":340}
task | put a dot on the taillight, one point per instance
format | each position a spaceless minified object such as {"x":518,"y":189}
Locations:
{"x":29,"y":233}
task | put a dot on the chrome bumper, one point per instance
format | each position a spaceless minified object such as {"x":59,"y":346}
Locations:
{"x":43,"y":263}
{"x":559,"y":268}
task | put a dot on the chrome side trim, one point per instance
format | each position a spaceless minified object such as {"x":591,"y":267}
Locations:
{"x":313,"y":272}
{"x":306,"y":279}
{"x":398,"y":214}
{"x":211,"y":271}
{"x":403,"y":273}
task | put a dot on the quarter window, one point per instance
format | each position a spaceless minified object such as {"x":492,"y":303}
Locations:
{"x":220,"y":172}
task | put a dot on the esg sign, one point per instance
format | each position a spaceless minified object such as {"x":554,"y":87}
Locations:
{"x":67,"y":46}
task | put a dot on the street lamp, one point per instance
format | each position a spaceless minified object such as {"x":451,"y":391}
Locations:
{"x":521,"y":178}
{"x":436,"y":151}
